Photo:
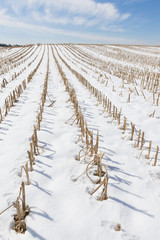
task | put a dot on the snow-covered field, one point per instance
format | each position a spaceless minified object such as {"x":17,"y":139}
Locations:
{"x":111,"y":91}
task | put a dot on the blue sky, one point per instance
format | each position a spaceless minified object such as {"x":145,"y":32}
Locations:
{"x":80,"y":21}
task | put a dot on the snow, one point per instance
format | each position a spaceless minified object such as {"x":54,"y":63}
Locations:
{"x":134,"y":108}
{"x":60,"y":207}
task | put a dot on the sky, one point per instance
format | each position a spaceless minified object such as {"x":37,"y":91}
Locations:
{"x":80,"y":21}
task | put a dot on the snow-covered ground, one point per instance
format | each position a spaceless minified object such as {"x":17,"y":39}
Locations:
{"x":61,"y":208}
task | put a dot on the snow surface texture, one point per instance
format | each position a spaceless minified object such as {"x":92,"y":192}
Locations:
{"x":61,"y":208}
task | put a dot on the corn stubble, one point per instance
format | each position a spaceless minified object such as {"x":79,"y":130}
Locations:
{"x":89,"y":154}
{"x":90,"y":150}
{"x":21,"y":209}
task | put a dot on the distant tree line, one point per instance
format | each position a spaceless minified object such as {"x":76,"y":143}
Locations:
{"x":9,"y":45}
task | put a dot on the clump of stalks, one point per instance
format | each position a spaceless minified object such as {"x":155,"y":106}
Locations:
{"x":129,"y":98}
{"x":103,"y":183}
{"x":26,"y":172}
{"x":152,"y":114}
{"x":4,"y":83}
{"x":156,"y":156}
{"x":118,"y":227}
{"x":132,"y":130}
{"x":1,"y":118}
{"x":21,"y":211}
{"x":149,"y":150}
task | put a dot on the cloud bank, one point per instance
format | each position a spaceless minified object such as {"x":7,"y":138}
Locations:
{"x":69,"y":12}
{"x":68,"y":17}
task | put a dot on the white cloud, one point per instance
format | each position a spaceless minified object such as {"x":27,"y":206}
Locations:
{"x":13,"y":23}
{"x":79,"y":20}
{"x":89,"y":8}
{"x":125,"y":16}
{"x":82,"y":11}
{"x":113,"y":28}
{"x":48,"y":18}
{"x":65,"y":13}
